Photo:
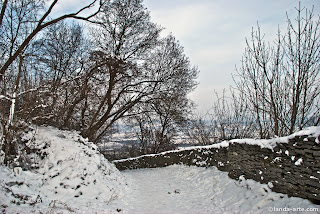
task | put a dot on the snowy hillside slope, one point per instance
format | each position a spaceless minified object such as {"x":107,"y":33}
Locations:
{"x":72,"y":176}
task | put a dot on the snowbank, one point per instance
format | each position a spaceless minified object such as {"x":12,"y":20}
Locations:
{"x":72,"y":176}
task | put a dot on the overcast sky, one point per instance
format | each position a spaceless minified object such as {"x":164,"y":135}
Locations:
{"x":213,"y":34}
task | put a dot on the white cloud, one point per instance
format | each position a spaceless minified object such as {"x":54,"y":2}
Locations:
{"x":218,"y":54}
{"x":181,"y":21}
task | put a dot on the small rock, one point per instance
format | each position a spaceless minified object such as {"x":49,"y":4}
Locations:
{"x":61,"y":136}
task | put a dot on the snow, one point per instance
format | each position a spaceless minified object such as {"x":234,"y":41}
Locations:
{"x":4,"y":97}
{"x":190,"y":189}
{"x":298,"y":162}
{"x":73,"y":176}
{"x":12,"y":108}
{"x":313,"y":131}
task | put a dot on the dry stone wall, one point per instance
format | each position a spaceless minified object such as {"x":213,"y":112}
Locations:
{"x":292,"y":168}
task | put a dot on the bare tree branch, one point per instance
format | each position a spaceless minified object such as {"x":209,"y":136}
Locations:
{"x":41,"y":25}
{"x":3,"y":10}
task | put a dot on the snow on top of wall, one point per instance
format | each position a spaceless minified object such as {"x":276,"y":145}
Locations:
{"x":313,"y":131}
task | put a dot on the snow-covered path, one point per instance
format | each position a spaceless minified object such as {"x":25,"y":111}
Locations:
{"x":183,"y":189}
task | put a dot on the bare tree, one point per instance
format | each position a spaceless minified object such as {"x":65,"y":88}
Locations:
{"x":229,"y":118}
{"x":118,"y":87}
{"x":62,"y":57}
{"x":126,"y":31}
{"x":281,"y":81}
{"x":123,"y":42}
{"x":168,"y":108}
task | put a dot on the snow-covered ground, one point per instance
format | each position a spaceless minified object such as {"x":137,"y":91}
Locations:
{"x":181,"y":189}
{"x":73,"y":177}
